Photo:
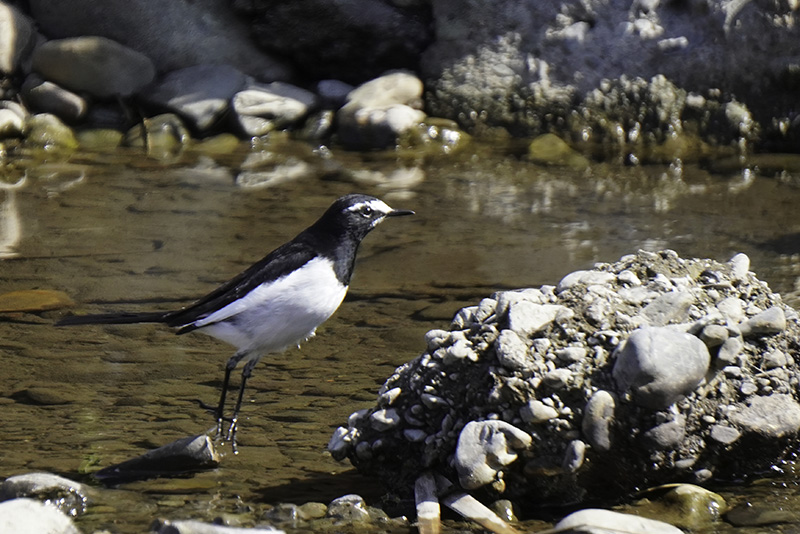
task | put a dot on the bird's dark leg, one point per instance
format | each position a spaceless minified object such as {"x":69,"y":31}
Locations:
{"x":246,"y":372}
{"x":219,"y":410}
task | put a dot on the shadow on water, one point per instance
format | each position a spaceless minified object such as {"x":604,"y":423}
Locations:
{"x":127,"y":233}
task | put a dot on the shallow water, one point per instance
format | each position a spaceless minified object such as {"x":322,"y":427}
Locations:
{"x":125,"y":232}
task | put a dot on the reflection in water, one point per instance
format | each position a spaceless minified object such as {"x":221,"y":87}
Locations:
{"x":138,"y":235}
{"x":10,"y":225}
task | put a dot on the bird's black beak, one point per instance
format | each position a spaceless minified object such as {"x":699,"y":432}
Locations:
{"x":399,"y":213}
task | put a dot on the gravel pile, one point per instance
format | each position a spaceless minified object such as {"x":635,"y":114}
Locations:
{"x":649,"y":370}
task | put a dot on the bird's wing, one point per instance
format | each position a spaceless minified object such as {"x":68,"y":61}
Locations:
{"x":276,"y":264}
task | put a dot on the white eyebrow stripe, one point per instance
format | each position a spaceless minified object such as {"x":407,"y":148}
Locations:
{"x":377,"y":205}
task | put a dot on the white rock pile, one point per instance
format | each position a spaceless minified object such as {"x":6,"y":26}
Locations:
{"x":649,"y":370}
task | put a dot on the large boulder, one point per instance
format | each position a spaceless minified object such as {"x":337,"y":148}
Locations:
{"x":174,"y":34}
{"x":525,"y":65}
{"x":650,"y":370}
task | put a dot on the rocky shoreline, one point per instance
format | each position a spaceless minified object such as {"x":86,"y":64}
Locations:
{"x":626,"y":83}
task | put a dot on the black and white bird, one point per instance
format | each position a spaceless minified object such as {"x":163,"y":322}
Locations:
{"x":278,"y":302}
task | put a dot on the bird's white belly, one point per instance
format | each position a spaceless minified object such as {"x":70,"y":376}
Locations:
{"x":275,"y":316}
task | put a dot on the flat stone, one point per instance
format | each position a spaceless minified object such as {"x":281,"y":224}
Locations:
{"x":659,"y":366}
{"x":771,"y":321}
{"x":183,"y":455}
{"x":597,"y":521}
{"x":535,"y":411}
{"x":200,"y":94}
{"x":774,"y":416}
{"x":549,"y":149}
{"x":33,"y":300}
{"x":672,"y":307}
{"x":512,"y":352}
{"x":667,"y":435}
{"x":190,"y":526}
{"x":261,"y":108}
{"x":47,"y":97}
{"x":526,"y":318}
{"x":96,"y":65}
{"x":66,"y":495}
{"x":586,"y":278}
{"x":724,"y":434}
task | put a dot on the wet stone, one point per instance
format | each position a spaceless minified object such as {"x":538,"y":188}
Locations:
{"x":31,"y":516}
{"x":32,"y":300}
{"x":70,"y":497}
{"x":350,"y":508}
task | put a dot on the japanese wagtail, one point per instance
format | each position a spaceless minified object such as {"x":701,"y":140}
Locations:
{"x":278,"y":302}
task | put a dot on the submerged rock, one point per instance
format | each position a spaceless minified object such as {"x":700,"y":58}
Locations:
{"x":66,"y":495}
{"x":590,"y":400}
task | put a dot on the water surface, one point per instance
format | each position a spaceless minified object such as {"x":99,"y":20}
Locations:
{"x":125,"y":232}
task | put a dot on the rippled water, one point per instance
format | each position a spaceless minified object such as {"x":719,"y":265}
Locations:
{"x":127,"y":232}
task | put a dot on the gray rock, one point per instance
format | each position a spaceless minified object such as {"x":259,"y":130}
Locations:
{"x":512,"y":352}
{"x":586,"y":278}
{"x":768,"y":322}
{"x":740,"y":265}
{"x":385,"y":419}
{"x":598,"y":420}
{"x":380,"y":110}
{"x":557,"y":378}
{"x":659,"y":366}
{"x":184,"y":455}
{"x":535,"y":411}
{"x":47,"y":97}
{"x":333,"y":93}
{"x":732,"y":308}
{"x":174,"y":35}
{"x":527,"y":318}
{"x":68,"y":496}
{"x":724,"y":434}
{"x":774,"y":416}
{"x":95,"y":65}
{"x":729,"y":351}
{"x":714,"y":335}
{"x":17,"y":38}
{"x":167,"y":526}
{"x":200,"y":94}
{"x":261,"y":108}
{"x":667,"y":435}
{"x":29,"y":516}
{"x":572,"y":354}
{"x":597,"y":521}
{"x":574,"y":456}
{"x":668,"y":308}
{"x":484,"y":448}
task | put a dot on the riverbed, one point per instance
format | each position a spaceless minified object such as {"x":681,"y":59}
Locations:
{"x":124,"y":231}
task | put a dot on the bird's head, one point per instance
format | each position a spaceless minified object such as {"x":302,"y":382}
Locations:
{"x":358,"y":214}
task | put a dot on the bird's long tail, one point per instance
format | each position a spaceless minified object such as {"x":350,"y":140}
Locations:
{"x":114,"y":318}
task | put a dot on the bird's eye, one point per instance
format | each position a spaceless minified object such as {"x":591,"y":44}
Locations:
{"x":366,"y":211}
